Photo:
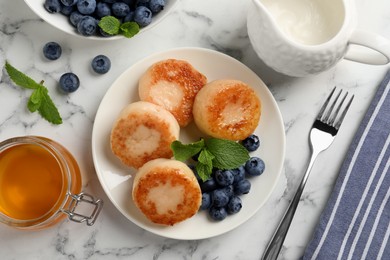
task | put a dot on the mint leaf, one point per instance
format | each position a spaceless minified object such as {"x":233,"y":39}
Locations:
{"x":34,"y":101}
{"x":183,"y":152}
{"x":19,"y":78}
{"x":227,"y":154}
{"x":110,"y":25}
{"x":205,"y":164}
{"x":129,"y":29}
{"x":39,"y":100}
{"x":47,"y":109}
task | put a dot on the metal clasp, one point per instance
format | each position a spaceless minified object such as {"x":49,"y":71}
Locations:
{"x":80,"y":199}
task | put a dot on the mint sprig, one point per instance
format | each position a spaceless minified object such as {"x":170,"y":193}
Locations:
{"x":39,"y":100}
{"x":112,"y":26}
{"x":212,"y":153}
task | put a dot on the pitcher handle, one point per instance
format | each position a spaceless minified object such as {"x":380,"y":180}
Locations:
{"x":379,"y":53}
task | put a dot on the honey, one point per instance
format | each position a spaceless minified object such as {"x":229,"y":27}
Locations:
{"x":38,"y":178}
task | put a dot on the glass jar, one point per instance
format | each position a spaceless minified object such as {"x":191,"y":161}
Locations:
{"x":40,"y":184}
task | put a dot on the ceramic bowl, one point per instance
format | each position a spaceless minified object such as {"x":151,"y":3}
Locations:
{"x":62,"y":23}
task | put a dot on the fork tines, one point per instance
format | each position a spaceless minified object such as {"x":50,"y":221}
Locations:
{"x":328,"y":116}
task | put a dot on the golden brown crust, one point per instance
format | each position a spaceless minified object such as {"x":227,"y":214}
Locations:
{"x":162,"y":175}
{"x":215,"y":97}
{"x":180,"y":74}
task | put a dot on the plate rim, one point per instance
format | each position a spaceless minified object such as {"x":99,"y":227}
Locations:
{"x":175,"y":50}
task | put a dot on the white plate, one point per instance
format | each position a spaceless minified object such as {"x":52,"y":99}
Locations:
{"x":62,"y":23}
{"x":117,"y":179}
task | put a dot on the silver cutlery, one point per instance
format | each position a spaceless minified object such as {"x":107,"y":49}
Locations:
{"x":322,"y":134}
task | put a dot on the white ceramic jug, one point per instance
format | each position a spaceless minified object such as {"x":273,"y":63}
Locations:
{"x":304,"y":37}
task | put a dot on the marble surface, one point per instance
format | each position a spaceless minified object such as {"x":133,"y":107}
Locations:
{"x":217,"y":25}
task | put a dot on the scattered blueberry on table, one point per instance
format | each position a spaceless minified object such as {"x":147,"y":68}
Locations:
{"x":69,"y":82}
{"x":52,"y":50}
{"x":101,"y":64}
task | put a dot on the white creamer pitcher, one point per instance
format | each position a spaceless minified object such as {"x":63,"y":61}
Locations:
{"x":304,"y":37}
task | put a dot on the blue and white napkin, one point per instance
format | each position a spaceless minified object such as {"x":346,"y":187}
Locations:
{"x":355,"y":223}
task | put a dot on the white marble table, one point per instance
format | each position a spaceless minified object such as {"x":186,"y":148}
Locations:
{"x":218,"y":25}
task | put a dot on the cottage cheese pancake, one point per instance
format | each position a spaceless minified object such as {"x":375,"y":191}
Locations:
{"x":172,"y":84}
{"x":166,"y":191}
{"x":228,"y":109}
{"x":142,"y":132}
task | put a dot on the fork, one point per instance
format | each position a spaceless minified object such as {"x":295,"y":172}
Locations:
{"x":322,"y":134}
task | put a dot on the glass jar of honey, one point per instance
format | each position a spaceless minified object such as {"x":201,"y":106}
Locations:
{"x":40,"y":184}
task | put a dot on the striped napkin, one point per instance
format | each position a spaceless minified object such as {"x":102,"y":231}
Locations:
{"x":355,"y":223}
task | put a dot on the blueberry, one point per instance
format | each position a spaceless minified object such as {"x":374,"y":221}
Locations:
{"x":67,"y":10}
{"x":251,"y":143}
{"x":254,"y":166}
{"x":229,"y":191}
{"x":129,"y":17}
{"x":234,"y":205}
{"x":219,"y":198}
{"x":208,"y":185}
{"x":143,"y":16}
{"x":52,"y":50}
{"x":242,"y":187}
{"x":69,"y":82}
{"x":156,"y":5}
{"x":52,"y":6}
{"x":217,"y":213}
{"x":102,"y":9}
{"x":87,"y":26}
{"x":239,"y":174}
{"x":206,"y":201}
{"x":75,"y":18}
{"x":224,"y":177}
{"x":101,"y":64}
{"x":69,"y":2}
{"x":86,"y":6}
{"x":120,"y":9}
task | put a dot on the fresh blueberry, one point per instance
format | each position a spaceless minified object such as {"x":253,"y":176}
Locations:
{"x":217,"y":213}
{"x":254,"y":166}
{"x":101,"y":64}
{"x":229,"y":191}
{"x":142,"y":16}
{"x":242,"y":187}
{"x":239,"y":174}
{"x":87,"y":26}
{"x":86,"y":6}
{"x":102,"y":9}
{"x":67,"y":10}
{"x":69,"y":82}
{"x":75,"y":18}
{"x":251,"y":143}
{"x":234,"y":205}
{"x":52,"y":50}
{"x":219,"y":198}
{"x":69,"y":2}
{"x":52,"y":6}
{"x":156,"y":5}
{"x":224,"y":177}
{"x":206,"y":201}
{"x":208,"y":185}
{"x":129,"y":17}
{"x":120,"y":9}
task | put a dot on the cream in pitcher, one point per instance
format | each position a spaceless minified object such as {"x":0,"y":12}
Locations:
{"x":304,"y":37}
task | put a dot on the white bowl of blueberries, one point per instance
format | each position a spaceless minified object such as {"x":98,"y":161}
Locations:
{"x":102,"y":19}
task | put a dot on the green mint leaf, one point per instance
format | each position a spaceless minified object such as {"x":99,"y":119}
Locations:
{"x":47,"y":109}
{"x":129,"y":29}
{"x":204,"y":167}
{"x":20,"y":78}
{"x":183,"y":152}
{"x":35,"y":100}
{"x":110,"y":25}
{"x":227,"y":154}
